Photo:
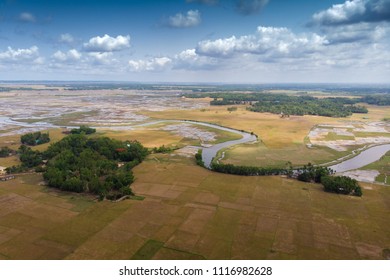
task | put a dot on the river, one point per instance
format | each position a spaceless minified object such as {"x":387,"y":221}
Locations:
{"x":366,"y":157}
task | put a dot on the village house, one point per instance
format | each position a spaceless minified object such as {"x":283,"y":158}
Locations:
{"x":2,"y":170}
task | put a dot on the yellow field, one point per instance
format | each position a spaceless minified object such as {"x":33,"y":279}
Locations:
{"x":191,"y":213}
{"x":282,"y":140}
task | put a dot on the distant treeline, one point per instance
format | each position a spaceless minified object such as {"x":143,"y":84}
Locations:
{"x":287,"y":104}
{"x":380,"y":100}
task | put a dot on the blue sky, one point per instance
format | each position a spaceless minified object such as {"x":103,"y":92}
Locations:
{"x":229,"y":41}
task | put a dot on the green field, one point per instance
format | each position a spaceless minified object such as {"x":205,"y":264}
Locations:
{"x":259,"y":154}
{"x":383,"y":166}
{"x":192,"y":213}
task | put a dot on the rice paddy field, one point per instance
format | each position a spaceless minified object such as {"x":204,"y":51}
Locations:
{"x":183,"y":211}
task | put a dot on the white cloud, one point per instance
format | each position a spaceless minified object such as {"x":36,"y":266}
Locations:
{"x":70,"y":56}
{"x":16,"y":55}
{"x":364,"y":33}
{"x":27,"y":17}
{"x":153,"y":64}
{"x":189,"y":59}
{"x":191,"y":19}
{"x":102,"y":58}
{"x":271,"y":41}
{"x":66,"y":38}
{"x":107,"y":43}
{"x":354,"y":11}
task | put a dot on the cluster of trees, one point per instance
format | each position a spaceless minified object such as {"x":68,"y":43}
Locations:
{"x":5,"y":152}
{"x":380,"y":100}
{"x":79,"y":164}
{"x":247,"y":170}
{"x":311,"y":173}
{"x":289,"y":105}
{"x":341,"y":185}
{"x":29,"y":159}
{"x":198,"y":158}
{"x":328,"y":107}
{"x":83,"y":129}
{"x":36,"y":138}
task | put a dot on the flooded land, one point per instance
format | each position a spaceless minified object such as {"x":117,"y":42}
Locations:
{"x":184,"y":211}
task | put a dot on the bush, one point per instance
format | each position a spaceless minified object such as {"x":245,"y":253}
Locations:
{"x":36,"y":138}
{"x":341,"y":185}
{"x":198,"y":158}
{"x":83,"y":129}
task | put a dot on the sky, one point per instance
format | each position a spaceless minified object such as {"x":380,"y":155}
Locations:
{"x":195,"y":41}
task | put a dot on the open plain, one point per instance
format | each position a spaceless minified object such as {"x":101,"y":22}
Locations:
{"x":183,"y":211}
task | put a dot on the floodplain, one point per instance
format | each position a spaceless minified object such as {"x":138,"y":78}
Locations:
{"x":181,"y":210}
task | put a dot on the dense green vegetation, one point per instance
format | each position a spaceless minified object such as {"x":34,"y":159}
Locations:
{"x":310,"y":173}
{"x":341,"y":185}
{"x":83,"y":129}
{"x":29,"y":159}
{"x":247,"y":170}
{"x":36,"y":138}
{"x":5,"y":152}
{"x":288,"y":105}
{"x":198,"y":158}
{"x":81,"y":164}
{"x":380,"y":100}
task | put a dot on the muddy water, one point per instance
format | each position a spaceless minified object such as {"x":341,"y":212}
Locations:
{"x":366,"y":157}
{"x":210,"y":152}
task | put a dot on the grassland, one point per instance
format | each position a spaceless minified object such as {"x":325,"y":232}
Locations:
{"x":183,"y":211}
{"x":191,"y":213}
{"x":383,"y":166}
{"x":260,"y":155}
{"x":282,"y":140}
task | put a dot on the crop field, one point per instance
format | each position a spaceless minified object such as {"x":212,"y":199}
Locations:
{"x":183,"y":211}
{"x":282,"y":140}
{"x":259,"y":155}
{"x":191,"y":213}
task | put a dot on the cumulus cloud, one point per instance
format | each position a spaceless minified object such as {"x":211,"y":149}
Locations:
{"x":70,"y":56}
{"x":249,"y":7}
{"x":66,"y":38}
{"x":189,"y":59}
{"x":18,"y":55}
{"x":102,"y":58}
{"x":191,"y":19}
{"x":26,"y":17}
{"x":360,"y":32}
{"x":271,"y":41}
{"x":107,"y":43}
{"x":354,"y":11}
{"x":152,"y":64}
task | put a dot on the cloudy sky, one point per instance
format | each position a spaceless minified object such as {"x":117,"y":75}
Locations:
{"x":229,"y":41}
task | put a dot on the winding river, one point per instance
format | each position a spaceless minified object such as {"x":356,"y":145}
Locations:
{"x":209,"y":153}
{"x":366,"y":157}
